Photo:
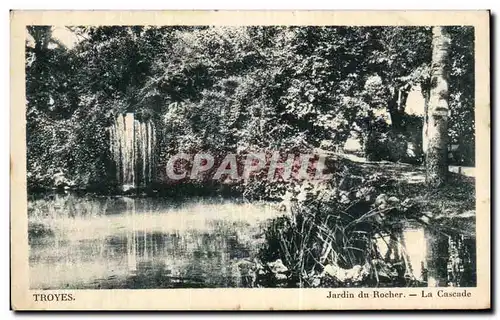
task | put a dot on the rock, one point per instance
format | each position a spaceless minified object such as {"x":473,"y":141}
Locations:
{"x":344,"y":197}
{"x":277,"y":266}
{"x":280,"y":276}
{"x":316,"y":282}
{"x":355,"y":274}
{"x":393,"y":201}
{"x":381,"y":201}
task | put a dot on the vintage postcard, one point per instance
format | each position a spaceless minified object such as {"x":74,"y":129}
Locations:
{"x":250,"y":160}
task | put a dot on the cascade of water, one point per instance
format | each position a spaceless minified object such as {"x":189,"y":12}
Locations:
{"x":114,"y":148}
{"x":129,"y":159}
{"x":137,"y":153}
{"x":144,"y":152}
{"x":132,"y":143}
{"x":152,"y":144}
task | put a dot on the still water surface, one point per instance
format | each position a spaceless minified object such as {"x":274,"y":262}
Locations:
{"x":86,"y":242}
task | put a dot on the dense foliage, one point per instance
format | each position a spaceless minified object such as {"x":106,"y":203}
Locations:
{"x":225,"y":89}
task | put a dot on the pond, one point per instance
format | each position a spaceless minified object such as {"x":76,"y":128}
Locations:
{"x":91,"y":242}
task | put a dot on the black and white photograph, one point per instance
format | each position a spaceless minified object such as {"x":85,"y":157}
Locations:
{"x":333,"y":157}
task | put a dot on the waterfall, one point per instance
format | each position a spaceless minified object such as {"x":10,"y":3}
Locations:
{"x":132,"y":147}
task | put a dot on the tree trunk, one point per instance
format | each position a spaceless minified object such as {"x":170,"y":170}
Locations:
{"x":424,"y":88}
{"x":437,"y":111}
{"x":396,"y":106}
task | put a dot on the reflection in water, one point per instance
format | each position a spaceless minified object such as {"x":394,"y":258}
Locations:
{"x":118,"y":242}
{"x":431,"y":256}
{"x":141,"y":243}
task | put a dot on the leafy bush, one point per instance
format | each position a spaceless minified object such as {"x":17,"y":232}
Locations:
{"x":392,"y":146}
